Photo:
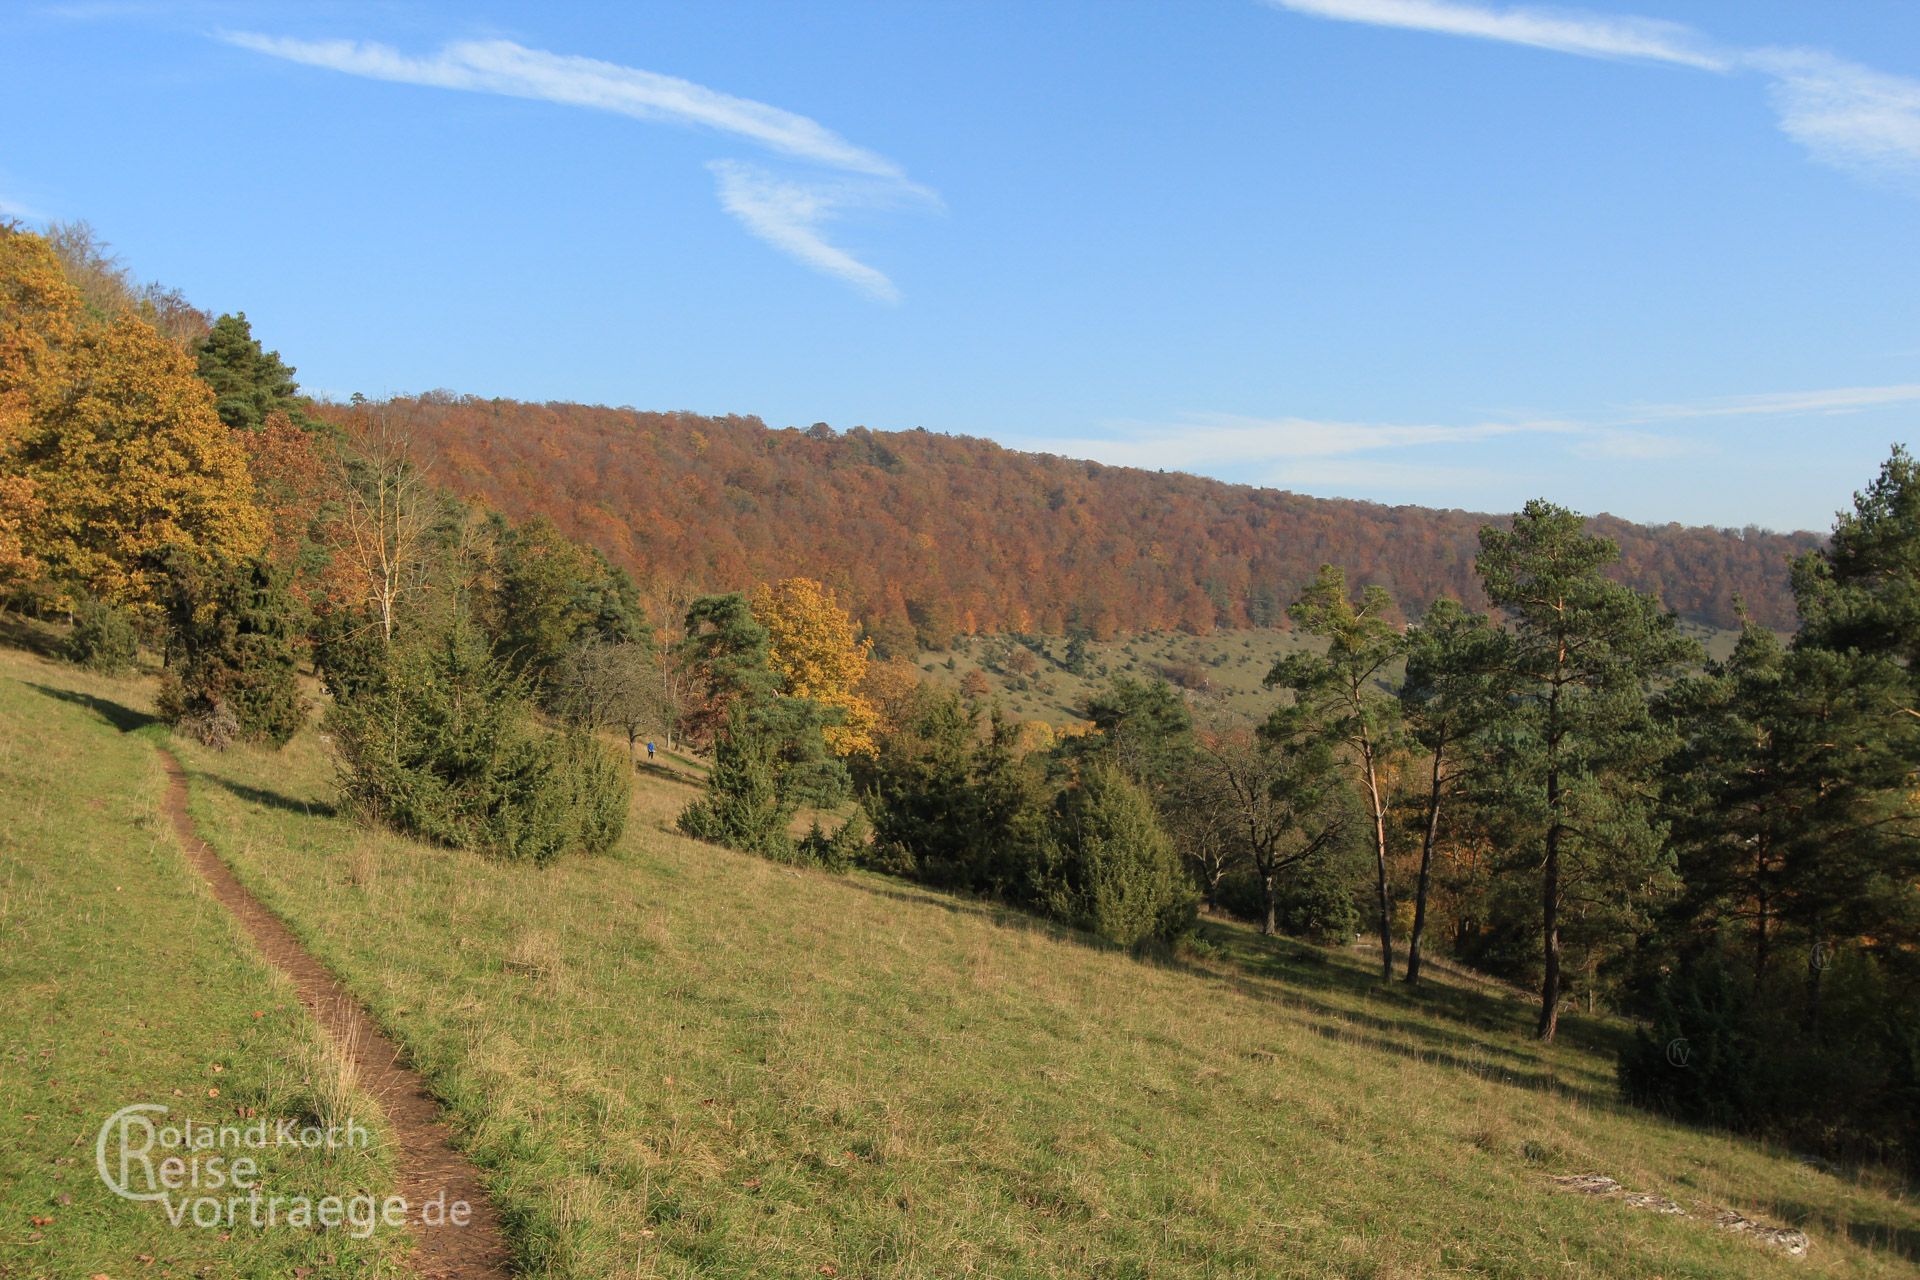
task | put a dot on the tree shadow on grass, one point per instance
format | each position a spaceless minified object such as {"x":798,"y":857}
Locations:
{"x":34,"y":637}
{"x":1869,"y":1234}
{"x":1536,"y":1081}
{"x":666,"y":773}
{"x":956,"y":903}
{"x":1480,"y":1011}
{"x":273,"y":799}
{"x":1314,"y":981}
{"x":117,"y":714}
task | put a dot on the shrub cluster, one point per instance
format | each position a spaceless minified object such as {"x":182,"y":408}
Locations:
{"x":962,"y":809}
{"x":232,"y":631}
{"x":438,"y":741}
{"x":103,"y":637}
{"x":1819,"y":1053}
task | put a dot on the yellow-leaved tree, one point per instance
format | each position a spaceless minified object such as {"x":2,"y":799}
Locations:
{"x":39,"y":318}
{"x":126,"y":457}
{"x":818,"y":654}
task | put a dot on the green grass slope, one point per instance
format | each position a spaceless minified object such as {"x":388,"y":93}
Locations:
{"x":121,"y":982}
{"x":676,"y":1060}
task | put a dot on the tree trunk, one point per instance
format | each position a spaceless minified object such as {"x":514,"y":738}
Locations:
{"x":1428,"y":839}
{"x":1816,"y":966}
{"x":1380,"y":863}
{"x":1550,"y":930}
{"x":1550,"y":873}
{"x":1272,"y":926}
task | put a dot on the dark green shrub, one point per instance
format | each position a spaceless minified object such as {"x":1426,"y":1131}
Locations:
{"x":1698,"y":1059}
{"x":103,"y":638}
{"x":1112,"y":867}
{"x":743,"y":806}
{"x":955,"y":808}
{"x":1820,"y":1052}
{"x":232,"y":629}
{"x":596,"y":779}
{"x":436,"y":740}
{"x":1317,"y":898}
{"x":840,"y":851}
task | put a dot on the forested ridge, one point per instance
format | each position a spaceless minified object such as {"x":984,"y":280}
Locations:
{"x":926,"y":535}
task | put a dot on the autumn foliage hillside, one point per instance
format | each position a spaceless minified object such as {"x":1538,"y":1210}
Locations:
{"x":931,"y":535}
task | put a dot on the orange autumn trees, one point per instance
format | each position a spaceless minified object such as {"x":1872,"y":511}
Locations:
{"x":815,"y":649}
{"x":925,"y":536}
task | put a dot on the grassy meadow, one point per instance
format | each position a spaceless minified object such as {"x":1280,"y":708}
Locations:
{"x":125,"y":982}
{"x":1233,"y":665}
{"x":676,"y":1060}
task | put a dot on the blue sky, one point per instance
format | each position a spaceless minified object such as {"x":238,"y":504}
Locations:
{"x":1410,"y":250}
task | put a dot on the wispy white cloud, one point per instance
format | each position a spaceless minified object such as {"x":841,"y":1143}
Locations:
{"x":1827,"y":401}
{"x":1611,"y":444}
{"x":1212,"y":439}
{"x":785,"y":212}
{"x":1845,"y":115}
{"x":1410,"y":457}
{"x":790,"y":216}
{"x":1567,"y":31}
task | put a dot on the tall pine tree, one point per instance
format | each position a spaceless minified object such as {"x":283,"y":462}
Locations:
{"x":1581,"y":747}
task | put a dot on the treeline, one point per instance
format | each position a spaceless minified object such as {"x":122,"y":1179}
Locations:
{"x":1561,"y":790}
{"x":927,"y":536}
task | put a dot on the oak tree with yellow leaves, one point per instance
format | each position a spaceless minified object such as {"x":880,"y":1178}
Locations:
{"x":818,"y":655}
{"x":39,"y":318}
{"x":126,"y":458}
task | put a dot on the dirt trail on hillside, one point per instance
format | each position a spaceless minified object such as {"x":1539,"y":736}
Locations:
{"x":428,"y":1165}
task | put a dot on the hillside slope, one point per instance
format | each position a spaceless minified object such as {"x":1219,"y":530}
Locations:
{"x":943,"y":534}
{"x":677,"y":1060}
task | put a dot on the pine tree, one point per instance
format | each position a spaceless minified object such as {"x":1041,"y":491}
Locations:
{"x":554,"y":595}
{"x":1580,"y":746}
{"x":1340,"y":693}
{"x":727,"y":653}
{"x":249,"y":382}
{"x":1144,"y":728}
{"x":1456,"y":686}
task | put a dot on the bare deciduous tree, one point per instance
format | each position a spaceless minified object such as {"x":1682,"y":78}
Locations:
{"x":1283,"y":803}
{"x":386,"y":518}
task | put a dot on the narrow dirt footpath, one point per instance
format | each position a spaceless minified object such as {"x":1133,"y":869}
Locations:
{"x":428,"y":1164}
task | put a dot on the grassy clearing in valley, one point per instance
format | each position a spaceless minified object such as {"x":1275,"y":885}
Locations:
{"x":1234,"y":664}
{"x":676,"y":1060}
{"x":125,"y":982}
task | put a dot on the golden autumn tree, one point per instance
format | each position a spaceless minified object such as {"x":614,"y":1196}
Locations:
{"x":39,"y":319}
{"x":126,"y":457}
{"x":816,"y":651}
